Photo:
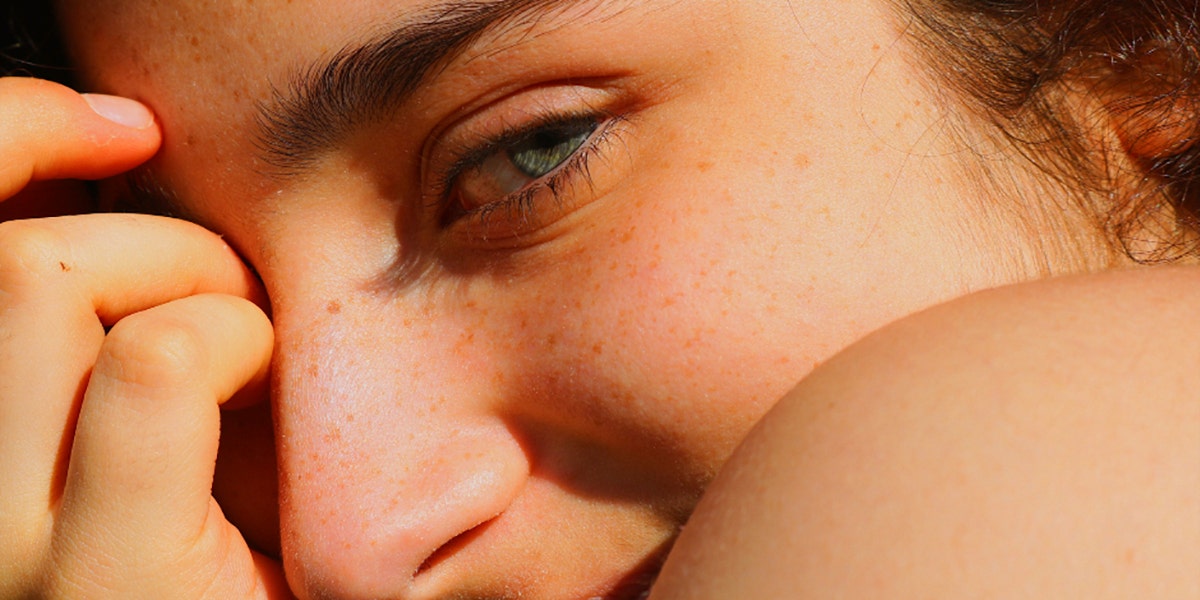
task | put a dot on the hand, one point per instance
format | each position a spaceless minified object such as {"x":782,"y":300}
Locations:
{"x":120,"y":336}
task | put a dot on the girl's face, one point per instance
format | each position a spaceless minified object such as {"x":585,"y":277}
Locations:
{"x":537,"y":266}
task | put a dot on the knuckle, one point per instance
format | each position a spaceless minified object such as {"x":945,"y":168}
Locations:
{"x":155,"y":351}
{"x":31,"y":254}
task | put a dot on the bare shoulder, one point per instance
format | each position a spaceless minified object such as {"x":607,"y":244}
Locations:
{"x":1038,"y":441}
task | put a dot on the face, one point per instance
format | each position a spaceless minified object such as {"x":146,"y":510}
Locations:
{"x":537,"y":267}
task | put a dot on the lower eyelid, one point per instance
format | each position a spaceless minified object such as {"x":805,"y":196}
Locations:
{"x":456,"y":144}
{"x":518,"y":213}
{"x":475,"y":159}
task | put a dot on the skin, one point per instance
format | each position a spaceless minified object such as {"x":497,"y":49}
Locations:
{"x":529,"y":415}
{"x":1026,"y":442}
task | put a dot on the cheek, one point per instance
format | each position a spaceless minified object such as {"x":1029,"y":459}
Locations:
{"x":667,"y":323}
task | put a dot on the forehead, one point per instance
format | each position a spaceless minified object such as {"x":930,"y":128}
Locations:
{"x":217,"y":61}
{"x":203,"y":65}
{"x":207,"y":67}
{"x":201,"y":34}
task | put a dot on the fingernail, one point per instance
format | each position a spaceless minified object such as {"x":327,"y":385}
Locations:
{"x":122,"y":111}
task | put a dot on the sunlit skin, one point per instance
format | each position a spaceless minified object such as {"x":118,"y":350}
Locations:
{"x":529,"y":400}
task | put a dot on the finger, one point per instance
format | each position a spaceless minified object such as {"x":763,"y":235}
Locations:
{"x":61,"y":281}
{"x":51,"y":132}
{"x":138,"y":486}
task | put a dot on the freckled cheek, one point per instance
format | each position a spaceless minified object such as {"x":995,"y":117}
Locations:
{"x":655,"y":322}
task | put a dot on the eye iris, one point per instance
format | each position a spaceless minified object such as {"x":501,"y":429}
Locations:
{"x":547,"y":149}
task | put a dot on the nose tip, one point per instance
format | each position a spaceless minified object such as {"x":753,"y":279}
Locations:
{"x":369,"y":529}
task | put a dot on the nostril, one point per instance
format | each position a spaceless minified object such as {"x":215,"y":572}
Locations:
{"x":454,"y":545}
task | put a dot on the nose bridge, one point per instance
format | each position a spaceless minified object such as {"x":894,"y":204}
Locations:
{"x":387,"y":451}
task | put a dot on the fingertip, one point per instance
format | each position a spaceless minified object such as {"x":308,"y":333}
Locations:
{"x":122,"y":111}
{"x":49,"y":131}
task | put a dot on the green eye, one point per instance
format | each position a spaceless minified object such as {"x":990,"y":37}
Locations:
{"x":547,"y":149}
{"x":518,"y":163}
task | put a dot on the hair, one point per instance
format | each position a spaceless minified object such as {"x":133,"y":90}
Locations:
{"x":29,"y":42}
{"x":1023,"y":65}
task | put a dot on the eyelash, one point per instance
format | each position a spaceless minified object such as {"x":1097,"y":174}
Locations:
{"x":521,"y":203}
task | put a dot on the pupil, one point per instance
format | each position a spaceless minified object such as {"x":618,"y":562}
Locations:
{"x":549,"y":148}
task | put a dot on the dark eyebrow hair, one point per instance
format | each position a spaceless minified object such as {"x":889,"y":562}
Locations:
{"x":362,"y":83}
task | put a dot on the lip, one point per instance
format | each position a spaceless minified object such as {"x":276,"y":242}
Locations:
{"x":633,"y":585}
{"x":442,"y":579}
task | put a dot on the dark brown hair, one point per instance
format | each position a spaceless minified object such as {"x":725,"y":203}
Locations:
{"x":29,"y":42}
{"x":1022,"y":63}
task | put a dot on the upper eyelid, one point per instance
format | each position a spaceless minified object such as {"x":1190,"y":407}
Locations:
{"x":578,"y":164}
{"x":511,"y":116}
{"x":600,"y":144}
{"x":489,"y":146}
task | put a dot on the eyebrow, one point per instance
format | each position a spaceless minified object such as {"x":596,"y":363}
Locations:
{"x":364,"y":83}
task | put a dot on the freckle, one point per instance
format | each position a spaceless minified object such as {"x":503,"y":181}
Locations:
{"x":194,"y":40}
{"x":705,"y":166}
{"x":190,"y":140}
{"x":802,"y":161}
{"x":334,"y":307}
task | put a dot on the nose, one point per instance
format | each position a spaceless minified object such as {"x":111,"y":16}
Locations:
{"x":387,"y":451}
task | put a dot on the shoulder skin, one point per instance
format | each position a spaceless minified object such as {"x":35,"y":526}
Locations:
{"x":1035,"y":441}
